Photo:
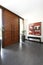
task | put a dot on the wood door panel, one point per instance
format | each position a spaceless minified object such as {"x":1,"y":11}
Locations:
{"x":15,"y":30}
{"x":11,"y":28}
{"x":7,"y":28}
{"x":7,"y":38}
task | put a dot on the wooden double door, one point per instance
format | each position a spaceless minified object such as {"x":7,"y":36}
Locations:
{"x":10,"y":28}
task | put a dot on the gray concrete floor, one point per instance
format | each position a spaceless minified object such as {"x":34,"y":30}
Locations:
{"x":24,"y":53}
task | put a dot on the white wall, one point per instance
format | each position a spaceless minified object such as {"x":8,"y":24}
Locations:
{"x":32,"y":17}
{"x":0,"y":23}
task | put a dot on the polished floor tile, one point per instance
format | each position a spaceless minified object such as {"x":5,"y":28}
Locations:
{"x":24,"y":53}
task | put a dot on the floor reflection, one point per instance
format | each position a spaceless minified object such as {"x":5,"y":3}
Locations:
{"x":24,"y":53}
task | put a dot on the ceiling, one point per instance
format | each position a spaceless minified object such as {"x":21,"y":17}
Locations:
{"x":22,"y":7}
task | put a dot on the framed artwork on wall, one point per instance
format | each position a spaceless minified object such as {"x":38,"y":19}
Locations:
{"x":35,"y":28}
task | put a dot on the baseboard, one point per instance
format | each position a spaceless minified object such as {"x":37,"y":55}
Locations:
{"x":41,"y":42}
{"x":34,"y":41}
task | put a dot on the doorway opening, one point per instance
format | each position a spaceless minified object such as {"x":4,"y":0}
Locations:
{"x":21,"y":29}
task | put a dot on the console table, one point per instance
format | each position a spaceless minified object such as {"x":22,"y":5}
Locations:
{"x":35,"y":39}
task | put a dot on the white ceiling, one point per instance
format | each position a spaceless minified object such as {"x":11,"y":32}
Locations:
{"x":22,"y":7}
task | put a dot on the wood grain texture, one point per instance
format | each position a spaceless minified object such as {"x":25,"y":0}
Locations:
{"x":11,"y":28}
